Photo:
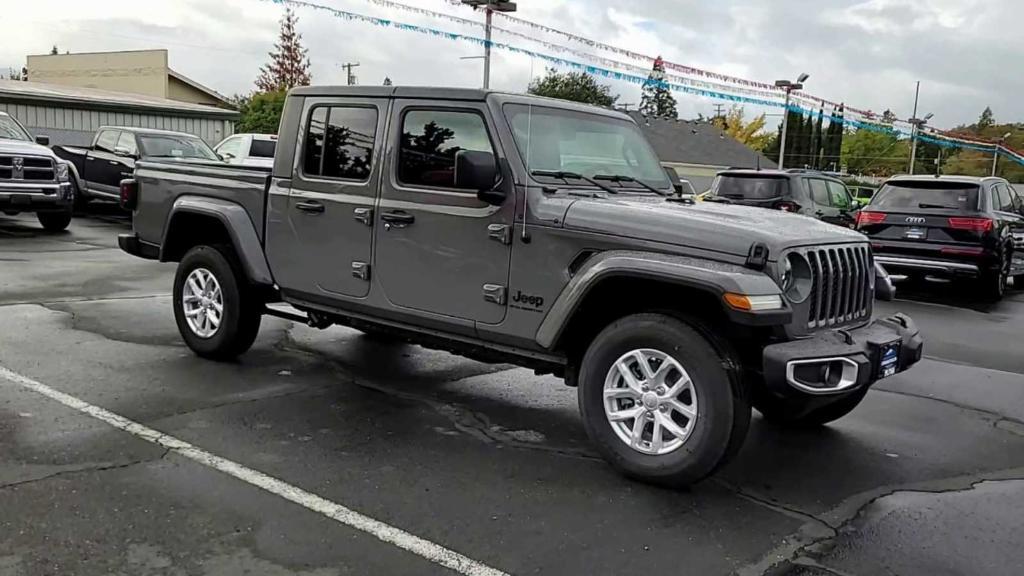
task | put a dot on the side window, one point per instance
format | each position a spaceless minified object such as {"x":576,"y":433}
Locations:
{"x":339,"y":142}
{"x":430,"y":140}
{"x":107,"y":140}
{"x":230,"y":147}
{"x":127,"y":142}
{"x":1018,"y":201}
{"x":1005,"y":203}
{"x":840,"y":197}
{"x":819,"y":192}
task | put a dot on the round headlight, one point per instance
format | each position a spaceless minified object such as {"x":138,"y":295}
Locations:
{"x":796,"y":277}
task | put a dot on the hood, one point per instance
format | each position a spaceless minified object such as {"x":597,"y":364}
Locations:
{"x":704,"y":225}
{"x":16,"y":147}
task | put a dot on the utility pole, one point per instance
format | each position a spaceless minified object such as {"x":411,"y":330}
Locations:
{"x":913,"y":130}
{"x":995,"y":152}
{"x":350,"y":77}
{"x":718,"y":110}
{"x":490,"y":7}
{"x":789,"y":87}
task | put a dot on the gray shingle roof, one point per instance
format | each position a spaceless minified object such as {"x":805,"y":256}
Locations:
{"x":692,"y":142}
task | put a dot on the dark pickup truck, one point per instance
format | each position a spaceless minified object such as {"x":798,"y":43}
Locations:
{"x":100,"y":168}
{"x":513,"y":228}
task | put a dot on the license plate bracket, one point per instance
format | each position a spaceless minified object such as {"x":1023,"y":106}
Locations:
{"x":915,"y":233}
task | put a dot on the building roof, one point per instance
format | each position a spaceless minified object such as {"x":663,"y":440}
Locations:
{"x":76,"y":97}
{"x":205,"y":90}
{"x":693,"y":142}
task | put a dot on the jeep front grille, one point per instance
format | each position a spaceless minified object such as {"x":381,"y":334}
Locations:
{"x":27,"y":168}
{"x":841,"y":284}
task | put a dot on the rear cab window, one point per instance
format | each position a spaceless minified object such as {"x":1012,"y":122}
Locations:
{"x":262,"y":148}
{"x":750,"y":187}
{"x":925,"y":195}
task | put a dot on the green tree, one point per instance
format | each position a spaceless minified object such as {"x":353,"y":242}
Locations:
{"x":875,"y":152}
{"x":749,"y":133}
{"x":260,"y":112}
{"x":289,"y":63}
{"x":574,"y":86}
{"x":986,"y":120}
{"x":656,"y":99}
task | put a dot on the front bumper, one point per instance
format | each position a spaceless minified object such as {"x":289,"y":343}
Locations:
{"x":840,"y":361}
{"x":31,"y":197}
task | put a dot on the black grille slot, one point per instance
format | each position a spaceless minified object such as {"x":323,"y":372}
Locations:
{"x":841,"y":285}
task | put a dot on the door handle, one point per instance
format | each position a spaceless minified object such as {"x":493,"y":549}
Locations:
{"x":397,"y":218}
{"x":311,"y":207}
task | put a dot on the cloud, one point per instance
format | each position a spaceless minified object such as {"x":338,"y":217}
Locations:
{"x":868,"y":53}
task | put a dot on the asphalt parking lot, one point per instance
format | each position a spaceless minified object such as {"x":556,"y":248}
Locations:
{"x":324,"y":452}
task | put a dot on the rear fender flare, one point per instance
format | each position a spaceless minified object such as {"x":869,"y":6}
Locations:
{"x":713,"y":277}
{"x":240,"y":229}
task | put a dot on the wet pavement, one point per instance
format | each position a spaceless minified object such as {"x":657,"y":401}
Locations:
{"x":487,"y":461}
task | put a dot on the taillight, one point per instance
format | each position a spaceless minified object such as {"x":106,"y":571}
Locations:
{"x":972,"y":224}
{"x":868,"y":218}
{"x":788,"y":206}
{"x":129,"y":194}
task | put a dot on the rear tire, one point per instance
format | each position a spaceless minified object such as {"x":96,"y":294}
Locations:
{"x":682,"y":367}
{"x":54,"y":221}
{"x":238,"y":320}
{"x":993,"y":283}
{"x":793,"y":412}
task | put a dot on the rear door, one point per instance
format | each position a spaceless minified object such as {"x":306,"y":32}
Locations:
{"x":326,"y":246}
{"x":822,"y":200}
{"x":439,"y":249}
{"x":842,"y":203}
{"x":101,"y":164}
{"x":1009,"y":209}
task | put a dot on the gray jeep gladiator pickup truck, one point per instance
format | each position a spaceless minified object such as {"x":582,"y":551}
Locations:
{"x":512,"y":228}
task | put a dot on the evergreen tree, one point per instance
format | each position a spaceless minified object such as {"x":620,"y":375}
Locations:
{"x":289,"y":64}
{"x":836,"y":129}
{"x":387,"y":81}
{"x":987,"y":120}
{"x":657,"y":99}
{"x":816,"y":142}
{"x":794,"y":126}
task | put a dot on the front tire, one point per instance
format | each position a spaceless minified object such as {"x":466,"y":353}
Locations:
{"x":794,"y":412}
{"x":658,"y":401}
{"x":54,"y":221}
{"x":217,"y":311}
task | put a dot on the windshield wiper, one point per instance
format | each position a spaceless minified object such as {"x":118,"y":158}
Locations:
{"x":619,"y":179}
{"x":927,"y":205}
{"x":562,"y":175}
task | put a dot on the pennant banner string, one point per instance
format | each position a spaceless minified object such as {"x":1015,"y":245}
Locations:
{"x":933,"y":137}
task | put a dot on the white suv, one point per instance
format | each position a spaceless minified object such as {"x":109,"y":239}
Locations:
{"x":248,"y":149}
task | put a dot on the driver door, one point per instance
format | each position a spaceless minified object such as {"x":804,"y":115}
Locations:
{"x":439,"y":249}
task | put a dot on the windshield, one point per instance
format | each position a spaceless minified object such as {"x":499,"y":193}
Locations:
{"x":175,"y":146}
{"x":913,"y":195}
{"x":554,"y":139}
{"x":748,"y":187}
{"x":11,"y":130}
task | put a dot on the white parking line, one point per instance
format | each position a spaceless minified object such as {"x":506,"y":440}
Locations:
{"x":424,"y":548}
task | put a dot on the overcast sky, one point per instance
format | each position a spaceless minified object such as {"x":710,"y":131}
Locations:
{"x":968,"y":54}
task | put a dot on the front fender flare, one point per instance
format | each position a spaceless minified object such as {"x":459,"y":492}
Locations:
{"x":240,"y":228}
{"x":716,"y":278}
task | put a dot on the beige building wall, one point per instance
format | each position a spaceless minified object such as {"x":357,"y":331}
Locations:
{"x":136,"y":72}
{"x":185,"y":92}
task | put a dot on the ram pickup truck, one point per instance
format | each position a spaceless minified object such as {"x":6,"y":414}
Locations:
{"x":32,"y":178}
{"x":513,"y":228}
{"x":99,"y":168}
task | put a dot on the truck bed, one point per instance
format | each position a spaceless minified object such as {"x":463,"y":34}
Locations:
{"x":162,"y":182}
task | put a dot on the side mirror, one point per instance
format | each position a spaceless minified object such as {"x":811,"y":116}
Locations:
{"x":673,"y":177}
{"x":43,"y":140}
{"x":225,"y":156}
{"x":475,"y":170}
{"x":124,"y":152}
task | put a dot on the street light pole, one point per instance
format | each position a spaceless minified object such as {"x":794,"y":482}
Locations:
{"x":490,"y":7}
{"x":789,"y":87}
{"x":917,"y":124}
{"x":995,"y":153}
{"x":913,"y":130}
